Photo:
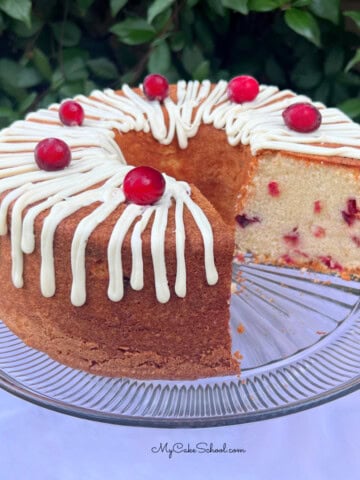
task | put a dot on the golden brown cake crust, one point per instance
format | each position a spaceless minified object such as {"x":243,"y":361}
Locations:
{"x":136,"y":337}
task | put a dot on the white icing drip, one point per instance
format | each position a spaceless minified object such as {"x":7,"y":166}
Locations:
{"x":179,"y":191}
{"x":85,"y":180}
{"x":85,"y":228}
{"x":180,"y":282}
{"x":137,"y":272}
{"x":96,"y":158}
{"x":58,"y":213}
{"x":207,"y":235}
{"x":158,"y":252}
{"x":116,"y":280}
{"x":5,"y":204}
{"x":31,"y":195}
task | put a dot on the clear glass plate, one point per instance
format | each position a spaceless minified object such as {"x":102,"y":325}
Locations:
{"x":300,"y":347}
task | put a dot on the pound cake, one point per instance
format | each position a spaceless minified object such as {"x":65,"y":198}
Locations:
{"x":121,"y":212}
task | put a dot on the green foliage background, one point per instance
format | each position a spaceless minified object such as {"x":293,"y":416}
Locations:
{"x":52,"y":49}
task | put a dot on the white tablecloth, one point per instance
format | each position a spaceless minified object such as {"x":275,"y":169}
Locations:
{"x":318,"y":444}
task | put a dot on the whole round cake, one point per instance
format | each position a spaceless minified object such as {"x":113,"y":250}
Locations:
{"x":121,"y":214}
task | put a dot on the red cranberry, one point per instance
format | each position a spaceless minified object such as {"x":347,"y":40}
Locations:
{"x":243,"y":220}
{"x":356,"y":240}
{"x":317,"y":231}
{"x":287,"y":259}
{"x":292,"y":238}
{"x":156,"y":87}
{"x":330,"y":263}
{"x":143,"y":185}
{"x":317,"y":206}
{"x":351,"y":206}
{"x":349,"y":219}
{"x":273,"y":189}
{"x":71,"y":113}
{"x":351,"y":213}
{"x":52,"y":154}
{"x":242,"y":89}
{"x":302,"y":117}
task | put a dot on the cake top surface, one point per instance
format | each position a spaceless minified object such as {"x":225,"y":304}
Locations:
{"x":97,"y":159}
{"x":258,"y":123}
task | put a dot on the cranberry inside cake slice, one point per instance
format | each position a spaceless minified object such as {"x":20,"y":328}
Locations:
{"x":302,"y":212}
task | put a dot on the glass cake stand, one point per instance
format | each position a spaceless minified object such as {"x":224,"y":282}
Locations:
{"x":298,"y":332}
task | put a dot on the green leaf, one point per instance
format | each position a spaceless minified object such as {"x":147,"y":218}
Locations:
{"x":157,"y":7}
{"x":220,"y":75}
{"x":354,"y":61}
{"x":14,"y":91}
{"x":160,"y":58}
{"x":47,"y":100}
{"x":204,"y":35}
{"x":177,"y":41}
{"x":274,"y":72}
{"x":5,"y":121}
{"x":307,"y":74}
{"x":237,"y":5}
{"x":89,"y":87}
{"x":27,"y":102}
{"x":7,"y":116}
{"x":83,"y":7}
{"x":216,"y":7}
{"x":9,"y":71}
{"x":18,"y":9}
{"x":70,"y":89}
{"x":161,"y":20}
{"x":75,"y":70}
{"x":73,"y":52}
{"x":187,"y":17}
{"x":29,"y":77}
{"x":6,"y":112}
{"x":57,"y":79}
{"x":322,"y":92}
{"x":301,"y":3}
{"x":354,"y":15}
{"x":42,"y":63}
{"x":173,"y":75}
{"x":103,"y":68}
{"x":349,"y":79}
{"x":192,"y":3}
{"x":5,"y":102}
{"x":191,"y":58}
{"x":128,"y":78}
{"x":334,"y":61}
{"x":303,"y":23}
{"x":351,"y":107}
{"x":116,"y":6}
{"x":264,"y":5}
{"x":202,"y":71}
{"x":133,"y":31}
{"x":84,"y":4}
{"x":328,"y":9}
{"x":24,"y":30}
{"x":68,"y":34}
{"x":339,"y":93}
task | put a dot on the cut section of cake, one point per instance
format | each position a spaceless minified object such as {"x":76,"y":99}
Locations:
{"x":304,"y":213}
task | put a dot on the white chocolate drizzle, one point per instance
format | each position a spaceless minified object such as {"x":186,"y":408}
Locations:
{"x":95,"y":175}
